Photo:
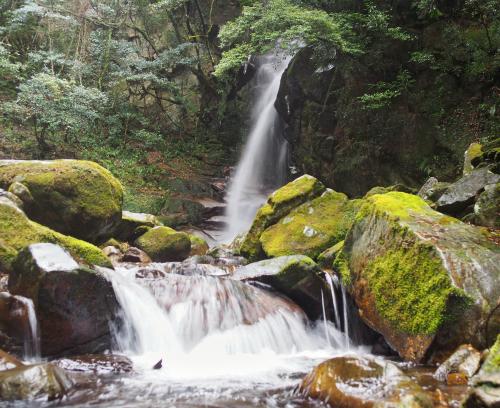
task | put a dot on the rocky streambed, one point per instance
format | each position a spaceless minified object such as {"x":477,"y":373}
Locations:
{"x":390,"y":300}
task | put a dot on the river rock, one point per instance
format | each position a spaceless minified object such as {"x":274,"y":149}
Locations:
{"x":362,"y":382}
{"x":74,"y":305}
{"x":74,"y":197}
{"x":133,"y":254}
{"x":312,"y":227}
{"x":420,"y":277}
{"x":17,"y":232}
{"x":164,"y":244}
{"x":39,"y":381}
{"x":486,"y":383}
{"x":296,"y":276}
{"x":7,"y":362}
{"x":487,"y":207}
{"x":464,"y":362}
{"x":130,"y":222}
{"x":278,"y":204}
{"x":461,"y":194}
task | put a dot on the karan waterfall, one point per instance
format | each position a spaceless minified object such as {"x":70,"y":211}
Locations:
{"x":263,"y":166}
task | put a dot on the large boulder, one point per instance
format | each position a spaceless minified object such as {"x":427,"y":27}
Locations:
{"x":164,"y":244}
{"x":39,"y":381}
{"x":486,"y":383}
{"x":17,"y":232}
{"x":362,"y":382}
{"x":74,"y":305}
{"x":462,"y":194}
{"x":278,"y":204}
{"x":421,"y":278}
{"x":74,"y":197}
{"x":312,"y":227}
{"x":132,"y":222}
{"x":296,"y":276}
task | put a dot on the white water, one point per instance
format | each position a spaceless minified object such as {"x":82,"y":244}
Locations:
{"x":263,"y":164}
{"x":31,"y":333}
{"x":209,"y":329}
{"x":333,"y":283}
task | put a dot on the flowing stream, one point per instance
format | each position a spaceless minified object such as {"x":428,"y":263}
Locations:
{"x":263,"y":165}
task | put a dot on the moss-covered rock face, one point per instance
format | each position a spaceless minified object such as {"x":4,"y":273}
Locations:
{"x":377,"y":385}
{"x":312,"y":227}
{"x":474,"y":151}
{"x":296,"y":276}
{"x":74,"y":197}
{"x":17,"y":232}
{"x":40,"y":381}
{"x":74,"y":305}
{"x":328,"y":256}
{"x":164,"y":244}
{"x":420,"y":277}
{"x":279,"y":203}
{"x":486,"y":383}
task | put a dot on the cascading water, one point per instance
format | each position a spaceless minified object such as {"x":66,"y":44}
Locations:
{"x":263,"y":164}
{"x":31,"y":332}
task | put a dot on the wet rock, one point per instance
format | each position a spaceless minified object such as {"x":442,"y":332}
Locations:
{"x":350,"y":382}
{"x":163,"y":244}
{"x":486,"y":383}
{"x":14,"y":321}
{"x":433,"y":189}
{"x":420,"y":277}
{"x":198,"y":245}
{"x":464,"y":362}
{"x":135,"y":255}
{"x":74,"y":305}
{"x":96,"y":363}
{"x":473,"y":152}
{"x":461,"y":194}
{"x":8,"y":362}
{"x":17,"y":232}
{"x":487,"y":207}
{"x":113,"y":253}
{"x":296,"y":276}
{"x":127,"y":229}
{"x":279,"y":204}
{"x":74,"y":197}
{"x":40,"y":381}
{"x":312,"y":227}
{"x":328,"y":256}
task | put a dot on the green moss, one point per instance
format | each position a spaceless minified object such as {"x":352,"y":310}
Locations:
{"x":474,"y":151}
{"x":17,"y":232}
{"x":341,"y":266}
{"x":312,"y":227}
{"x":327,"y":257}
{"x":279,"y":203}
{"x":198,"y":245}
{"x":412,"y":288}
{"x":164,"y":244}
{"x":492,"y":363}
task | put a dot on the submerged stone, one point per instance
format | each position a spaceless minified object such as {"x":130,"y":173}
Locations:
{"x":312,"y":227}
{"x":39,"y":381}
{"x":74,"y":305}
{"x":279,"y":204}
{"x":73,"y":197}
{"x":164,"y":244}
{"x":420,"y":277}
{"x":296,"y":276}
{"x":364,"y":382}
{"x":17,"y":232}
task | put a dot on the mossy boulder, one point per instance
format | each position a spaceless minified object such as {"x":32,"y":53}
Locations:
{"x":485,"y":391}
{"x":17,"y":232}
{"x":388,"y":189}
{"x":39,"y":381}
{"x":74,"y":197}
{"x":489,"y":157}
{"x":474,"y":151}
{"x":132,"y":224}
{"x":421,"y":278}
{"x":296,"y":276}
{"x":378,"y":384}
{"x":75,"y":306}
{"x":487,"y":207}
{"x":312,"y":227}
{"x":279,"y":204}
{"x":198,"y":245}
{"x":328,"y":256}
{"x":164,"y":244}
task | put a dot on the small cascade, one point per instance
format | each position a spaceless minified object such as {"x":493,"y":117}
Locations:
{"x":31,"y":331}
{"x":263,"y":164}
{"x":334,"y":284}
{"x":197,"y":322}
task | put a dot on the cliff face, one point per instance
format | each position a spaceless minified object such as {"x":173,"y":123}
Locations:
{"x":422,"y":131}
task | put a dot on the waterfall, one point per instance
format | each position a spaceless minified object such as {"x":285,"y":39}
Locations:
{"x":211,"y":326}
{"x":263,"y":164}
{"x":31,"y":332}
{"x":334,"y":283}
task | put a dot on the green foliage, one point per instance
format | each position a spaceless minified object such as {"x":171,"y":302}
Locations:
{"x":385,"y":92}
